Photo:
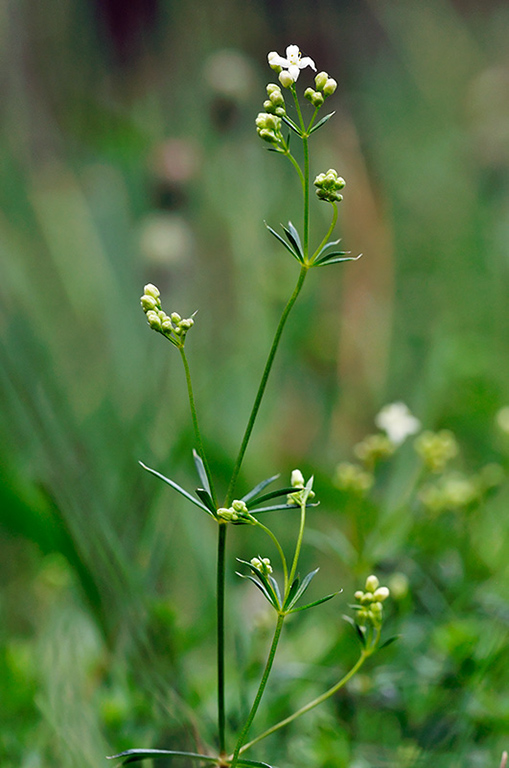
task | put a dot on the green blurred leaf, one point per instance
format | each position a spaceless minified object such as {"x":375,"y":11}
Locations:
{"x":135,"y":755}
{"x":178,"y":488}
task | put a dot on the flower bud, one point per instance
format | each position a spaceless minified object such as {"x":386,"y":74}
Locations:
{"x":320,"y":80}
{"x":359,"y":594}
{"x":185,"y":325}
{"x":240,"y":506}
{"x":286,"y":79}
{"x":269,"y":106}
{"x":151,"y":290}
{"x":175,"y":317}
{"x":167,"y":326}
{"x":270,"y":58}
{"x":154,"y":320}
{"x":309,"y":93}
{"x":381,"y":594}
{"x":329,"y":87}
{"x":148,"y":302}
{"x":372,"y":583}
{"x":226,"y":514}
{"x":271,"y":87}
{"x":297,"y":479}
{"x":276,"y":97}
{"x":317,"y":99}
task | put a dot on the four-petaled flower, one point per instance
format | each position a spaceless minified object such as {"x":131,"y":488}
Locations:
{"x":397,"y":422}
{"x":293,"y":62}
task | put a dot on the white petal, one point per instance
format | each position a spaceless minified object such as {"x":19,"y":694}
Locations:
{"x":307,"y":62}
{"x":294,"y":71}
{"x":293,"y":53}
{"x":276,"y":60}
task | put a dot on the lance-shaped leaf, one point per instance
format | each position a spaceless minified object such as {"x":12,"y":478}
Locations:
{"x":324,"y":248}
{"x":294,"y":238}
{"x":289,"y":122}
{"x":271,"y":593}
{"x":135,"y":755}
{"x":281,"y":506}
{"x":253,"y":763}
{"x":295,"y":594}
{"x":202,"y":472}
{"x":332,"y":258}
{"x":315,"y":602}
{"x":274,"y":494}
{"x":258,"y":488}
{"x":360,"y":631}
{"x":388,"y":642}
{"x":207,"y":500}
{"x":177,"y":487}
{"x":320,"y":123}
{"x":281,"y":240}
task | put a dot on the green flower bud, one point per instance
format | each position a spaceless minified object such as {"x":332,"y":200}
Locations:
{"x":277,"y":98}
{"x":285,"y":79}
{"x":226,"y":514}
{"x":317,"y":99}
{"x":381,"y":594}
{"x":167,"y":326}
{"x":372,"y":583}
{"x":309,"y":94}
{"x":329,"y":87}
{"x":175,"y":317}
{"x":320,"y":80}
{"x":271,"y":87}
{"x":280,"y":111}
{"x":270,"y":58}
{"x":359,"y":594}
{"x":263,"y":565}
{"x":297,"y":479}
{"x":151,"y":290}
{"x":148,"y":302}
{"x":185,"y":325}
{"x":240,"y":506}
{"x":269,"y":106}
{"x":154,"y":320}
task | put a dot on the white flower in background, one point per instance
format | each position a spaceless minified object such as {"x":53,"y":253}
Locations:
{"x":293,"y":62}
{"x":397,"y":422}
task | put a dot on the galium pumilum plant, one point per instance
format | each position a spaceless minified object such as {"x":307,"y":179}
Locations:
{"x":284,"y":592}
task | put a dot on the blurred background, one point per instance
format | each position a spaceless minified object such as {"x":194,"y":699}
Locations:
{"x":128,"y":155}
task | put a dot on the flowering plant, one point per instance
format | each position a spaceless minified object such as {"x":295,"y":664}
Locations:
{"x":281,"y":586}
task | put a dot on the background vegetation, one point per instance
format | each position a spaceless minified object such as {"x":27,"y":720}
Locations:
{"x":128,"y":154}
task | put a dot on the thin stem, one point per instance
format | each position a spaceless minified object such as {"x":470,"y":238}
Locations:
{"x":312,"y":119}
{"x":297,"y":167}
{"x":329,"y":232}
{"x":259,"y":693}
{"x":306,"y":171}
{"x":221,"y":571}
{"x":279,"y":549}
{"x":263,"y":384}
{"x":314,"y":703}
{"x":299,"y":542}
{"x":196,"y":426}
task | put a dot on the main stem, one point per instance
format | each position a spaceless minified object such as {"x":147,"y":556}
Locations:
{"x":263,"y":384}
{"x":221,"y":710}
{"x":259,"y":693}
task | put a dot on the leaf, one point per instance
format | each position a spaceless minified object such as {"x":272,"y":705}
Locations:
{"x":388,"y":642}
{"x":258,"y":584}
{"x":254,"y":763}
{"x":135,"y":755}
{"x":274,"y":593}
{"x":207,"y":500}
{"x":259,"y":488}
{"x":294,"y":238}
{"x":274,"y":494}
{"x":315,"y":602}
{"x":289,"y":122}
{"x":291,"y":592}
{"x":360,"y":634}
{"x":320,"y":123}
{"x":275,"y":587}
{"x":324,"y":248}
{"x":282,"y":506}
{"x":202,"y":472}
{"x":329,"y":256}
{"x":177,"y":487}
{"x":281,"y":240}
{"x":329,"y":260}
{"x":306,"y":581}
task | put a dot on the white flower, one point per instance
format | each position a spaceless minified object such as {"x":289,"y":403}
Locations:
{"x":397,"y":422}
{"x":293,"y":62}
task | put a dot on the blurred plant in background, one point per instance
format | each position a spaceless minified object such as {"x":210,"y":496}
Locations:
{"x":112,"y":171}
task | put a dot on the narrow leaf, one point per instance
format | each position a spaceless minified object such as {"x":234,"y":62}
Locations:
{"x":359,"y":632}
{"x":320,"y":123}
{"x":324,"y":247}
{"x":330,"y":255}
{"x":202,"y":472}
{"x":315,"y":602}
{"x":289,"y":122}
{"x":389,"y":642}
{"x":253,"y":763}
{"x":207,"y":499}
{"x":282,"y":506}
{"x":266,"y":583}
{"x":275,"y":587}
{"x":274,"y":494}
{"x":177,"y":487}
{"x":306,"y":581}
{"x":291,"y":593}
{"x":293,"y":237}
{"x":288,"y":247}
{"x":135,"y":755}
{"x":260,"y":587}
{"x":329,"y":260}
{"x":259,"y":488}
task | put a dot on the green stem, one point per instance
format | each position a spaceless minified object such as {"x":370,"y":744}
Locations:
{"x":329,"y":232}
{"x":259,"y":693}
{"x":221,"y":571}
{"x":263,"y":384}
{"x":314,"y":703}
{"x":306,"y":171}
{"x":298,"y":544}
{"x":196,"y":426}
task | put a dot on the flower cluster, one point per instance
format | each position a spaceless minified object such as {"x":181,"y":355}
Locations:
{"x":353,"y":478}
{"x":369,"y":610}
{"x":436,"y":449}
{"x":173,"y":326}
{"x":263,"y":565}
{"x":325,"y":86}
{"x":374,"y":448}
{"x":289,"y":67}
{"x":268,"y":123}
{"x":328,"y":186}
{"x":397,"y":422}
{"x":237,"y":513}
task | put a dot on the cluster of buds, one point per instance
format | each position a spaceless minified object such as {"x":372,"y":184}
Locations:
{"x":237,"y":513}
{"x":353,"y":478}
{"x":436,"y":449}
{"x":173,"y":326}
{"x":275,"y":104}
{"x":328,"y":186}
{"x":369,"y":610}
{"x":452,"y":491}
{"x":325,"y":86}
{"x":268,"y":127}
{"x":297,"y":482}
{"x":262,"y":564}
{"x":374,"y":448}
